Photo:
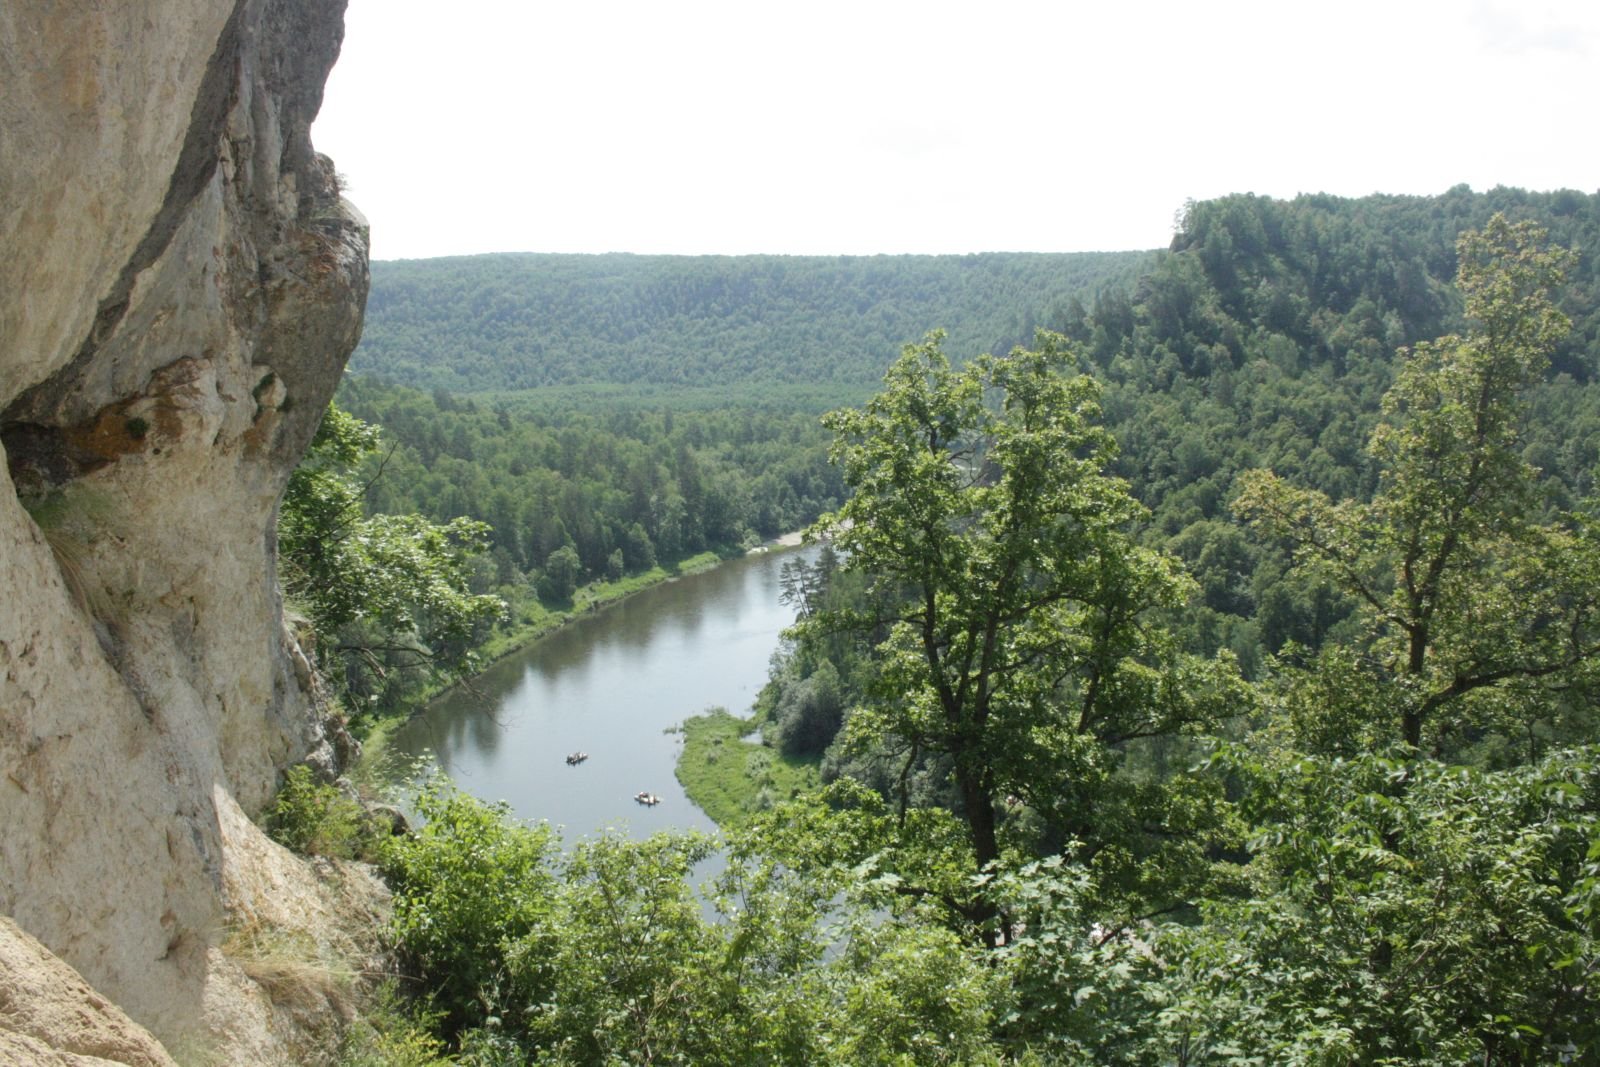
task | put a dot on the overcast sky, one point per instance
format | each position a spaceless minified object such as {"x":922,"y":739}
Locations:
{"x":689,"y":126}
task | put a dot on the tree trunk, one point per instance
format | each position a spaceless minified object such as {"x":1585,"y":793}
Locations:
{"x":979,"y":805}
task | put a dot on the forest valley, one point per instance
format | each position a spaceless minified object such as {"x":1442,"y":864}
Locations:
{"x":1210,"y":678}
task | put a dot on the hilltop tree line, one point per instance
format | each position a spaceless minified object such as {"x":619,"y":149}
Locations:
{"x":506,"y":322}
{"x":1267,"y":338}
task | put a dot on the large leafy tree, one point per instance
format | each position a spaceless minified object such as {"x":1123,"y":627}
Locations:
{"x":1471,"y":611}
{"x":382,"y":591}
{"x":1017,"y":603}
{"x":1406,"y":910}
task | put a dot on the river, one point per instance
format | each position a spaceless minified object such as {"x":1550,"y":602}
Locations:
{"x":611,"y":684}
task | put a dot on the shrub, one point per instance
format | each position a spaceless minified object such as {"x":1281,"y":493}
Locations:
{"x":468,"y":884}
{"x":316,"y":819}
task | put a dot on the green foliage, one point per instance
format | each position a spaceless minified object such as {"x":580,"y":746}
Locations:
{"x":469,"y":885}
{"x":634,"y":977}
{"x":1466,"y":943}
{"x":390,"y":1033}
{"x":1079,"y":987}
{"x":1468,"y":608}
{"x":645,"y":477}
{"x":810,"y":713}
{"x":1459,"y":944}
{"x":918,"y":995}
{"x":1018,"y":603}
{"x":385,"y":591}
{"x":1266,"y":338}
{"x":1319,"y":892}
{"x":747,"y":323}
{"x":562,"y":569}
{"x":317,"y":819}
{"x":606,"y":954}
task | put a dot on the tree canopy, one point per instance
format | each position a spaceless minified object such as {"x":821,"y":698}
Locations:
{"x":384,"y":592}
{"x":1471,"y":610}
{"x":747,"y":323}
{"x":1058,"y":826}
{"x":1020,"y":609}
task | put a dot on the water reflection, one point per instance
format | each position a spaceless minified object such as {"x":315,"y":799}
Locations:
{"x":610,"y":684}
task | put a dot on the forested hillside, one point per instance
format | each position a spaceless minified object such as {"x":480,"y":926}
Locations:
{"x":524,"y":321}
{"x":1212,"y":681}
{"x":1267,"y":336}
{"x":423,"y":526}
{"x":621,"y":485}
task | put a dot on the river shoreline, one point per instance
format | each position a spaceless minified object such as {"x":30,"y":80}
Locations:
{"x":586,"y":601}
{"x":616,"y":684}
{"x":793,"y":539}
{"x":733,"y":778}
{"x":595,"y":601}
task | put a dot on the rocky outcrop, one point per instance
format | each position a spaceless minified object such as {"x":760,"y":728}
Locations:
{"x":300,"y":939}
{"x":49,"y":1014}
{"x":180,"y":284}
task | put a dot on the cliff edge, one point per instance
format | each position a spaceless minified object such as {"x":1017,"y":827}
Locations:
{"x":180,"y":285}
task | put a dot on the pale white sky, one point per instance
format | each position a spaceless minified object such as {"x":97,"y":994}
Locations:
{"x":866,"y":126}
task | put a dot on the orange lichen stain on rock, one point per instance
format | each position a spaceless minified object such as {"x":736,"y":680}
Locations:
{"x":271,"y":399}
{"x":115,"y":432}
{"x":139,"y":423}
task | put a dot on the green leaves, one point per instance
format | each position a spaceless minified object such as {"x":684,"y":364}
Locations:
{"x":385,"y":590}
{"x":1015,"y":608}
{"x":607,"y":954}
{"x":469,"y":884}
{"x":1469,"y":611}
{"x":316,"y":819}
{"x":1432,"y":926}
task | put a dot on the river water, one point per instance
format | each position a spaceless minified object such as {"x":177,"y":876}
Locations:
{"x":611,"y":684}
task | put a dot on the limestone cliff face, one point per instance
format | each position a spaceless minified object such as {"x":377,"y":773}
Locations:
{"x":48,"y":1014}
{"x":180,"y":284}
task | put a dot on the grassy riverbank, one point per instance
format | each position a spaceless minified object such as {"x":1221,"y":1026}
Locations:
{"x":731,"y":778}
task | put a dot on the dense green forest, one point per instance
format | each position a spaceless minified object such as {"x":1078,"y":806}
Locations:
{"x":1268,"y":336}
{"x":523,"y":501}
{"x":609,"y":481}
{"x":507,"y":322}
{"x":1265,"y":337}
{"x":1211,"y":682}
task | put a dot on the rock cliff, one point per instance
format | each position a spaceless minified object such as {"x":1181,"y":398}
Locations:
{"x":180,"y":284}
